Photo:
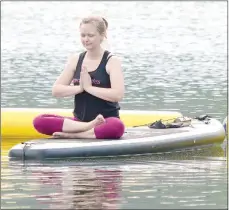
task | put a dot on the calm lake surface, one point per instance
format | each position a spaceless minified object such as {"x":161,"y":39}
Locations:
{"x":174,"y":57}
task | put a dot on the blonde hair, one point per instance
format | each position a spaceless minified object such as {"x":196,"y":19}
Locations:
{"x":100,"y":23}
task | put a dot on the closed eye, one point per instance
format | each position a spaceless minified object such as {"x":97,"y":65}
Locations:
{"x":89,"y":35}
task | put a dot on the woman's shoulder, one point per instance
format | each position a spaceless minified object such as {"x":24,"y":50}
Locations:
{"x":72,"y":61}
{"x":113,"y":63}
{"x":74,"y":57}
{"x":113,"y":57}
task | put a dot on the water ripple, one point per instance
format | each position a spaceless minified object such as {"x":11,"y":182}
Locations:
{"x":175,"y":183}
{"x":168,"y":65}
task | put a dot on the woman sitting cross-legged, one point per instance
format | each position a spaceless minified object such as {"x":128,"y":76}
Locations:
{"x":98,"y":87}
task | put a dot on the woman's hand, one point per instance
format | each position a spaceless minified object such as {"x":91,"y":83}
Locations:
{"x":85,"y":79}
{"x":116,"y":92}
{"x":62,"y":86}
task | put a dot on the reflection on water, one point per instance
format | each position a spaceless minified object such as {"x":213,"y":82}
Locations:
{"x":79,"y":187}
{"x":190,"y":179}
{"x":60,"y":187}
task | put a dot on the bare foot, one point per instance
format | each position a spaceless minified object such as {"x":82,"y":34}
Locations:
{"x":97,"y":121}
{"x":82,"y":135}
{"x":62,"y":135}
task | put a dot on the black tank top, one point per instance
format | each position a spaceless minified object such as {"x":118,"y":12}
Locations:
{"x":87,"y":106}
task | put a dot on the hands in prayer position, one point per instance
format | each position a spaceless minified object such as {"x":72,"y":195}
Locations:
{"x":85,"y":79}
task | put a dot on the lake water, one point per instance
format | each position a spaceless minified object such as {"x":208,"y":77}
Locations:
{"x":174,"y":57}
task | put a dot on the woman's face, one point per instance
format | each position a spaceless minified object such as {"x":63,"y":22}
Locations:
{"x":90,"y":37}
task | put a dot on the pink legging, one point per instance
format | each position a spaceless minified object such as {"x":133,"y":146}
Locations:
{"x":47,"y":124}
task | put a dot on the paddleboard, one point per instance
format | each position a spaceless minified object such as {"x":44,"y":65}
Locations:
{"x":136,"y":140}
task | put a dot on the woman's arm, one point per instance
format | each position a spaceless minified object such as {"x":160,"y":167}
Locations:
{"x":116,"y":92}
{"x":62,"y":87}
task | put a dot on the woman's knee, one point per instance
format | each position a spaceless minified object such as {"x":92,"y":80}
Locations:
{"x":113,"y":128}
{"x":48,"y":124}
